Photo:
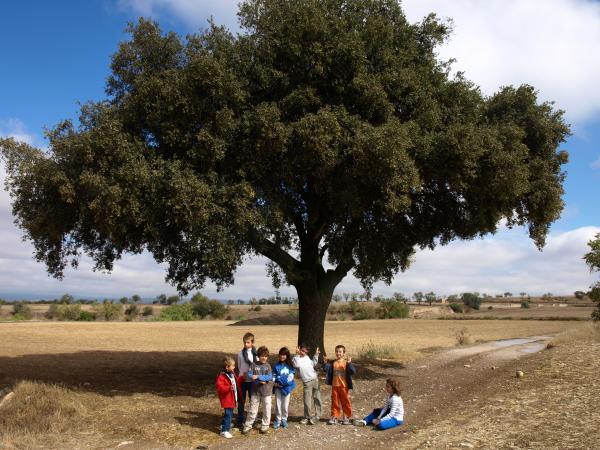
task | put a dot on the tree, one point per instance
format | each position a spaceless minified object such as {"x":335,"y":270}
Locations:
{"x":471,"y":300}
{"x":123,"y":300}
{"x":592,"y":259}
{"x":136,"y":298}
{"x":172,"y":299}
{"x":325,"y":131}
{"x":418,"y":296}
{"x":430,"y":297}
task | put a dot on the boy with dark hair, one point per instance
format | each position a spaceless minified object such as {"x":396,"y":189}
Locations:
{"x":310,"y":382}
{"x":246,"y":357}
{"x":339,"y":377}
{"x":261,"y":376}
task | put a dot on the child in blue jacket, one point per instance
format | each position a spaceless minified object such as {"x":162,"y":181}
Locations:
{"x":283,"y":376}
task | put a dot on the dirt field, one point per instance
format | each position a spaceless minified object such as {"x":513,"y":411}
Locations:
{"x":151,"y":384}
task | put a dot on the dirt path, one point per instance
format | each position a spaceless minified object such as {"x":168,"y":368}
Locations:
{"x":434,"y":388}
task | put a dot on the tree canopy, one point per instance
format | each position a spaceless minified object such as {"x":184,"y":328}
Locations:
{"x":324,"y":130}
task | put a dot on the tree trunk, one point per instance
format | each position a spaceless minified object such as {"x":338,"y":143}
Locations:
{"x":314,"y":297}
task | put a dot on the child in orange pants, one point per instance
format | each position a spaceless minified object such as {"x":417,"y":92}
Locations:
{"x":339,"y":376}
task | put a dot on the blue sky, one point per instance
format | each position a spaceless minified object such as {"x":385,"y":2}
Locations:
{"x":56,"y":54}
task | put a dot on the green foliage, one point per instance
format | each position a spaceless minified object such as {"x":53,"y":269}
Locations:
{"x":108,"y":310}
{"x":324,"y":127}
{"x":393,"y":309}
{"x":87,"y":316}
{"x":147,"y":311}
{"x":579,"y":295}
{"x":22,"y":311}
{"x":177,"y":312}
{"x":456,"y":307}
{"x":67,"y":299}
{"x":471,"y":300}
{"x":123,"y":300}
{"x":525,"y":304}
{"x":204,"y":307}
{"x":592,"y":259}
{"x":3,"y":302}
{"x":131,"y":312}
{"x":68,"y":312}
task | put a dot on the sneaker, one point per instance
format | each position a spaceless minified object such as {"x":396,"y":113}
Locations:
{"x":312,"y":421}
{"x":246,"y":429}
{"x":359,"y":423}
{"x":264,"y":430}
{"x":276,"y":424}
{"x":332,"y":421}
{"x":284,"y":424}
{"x":346,"y":421}
{"x":226,"y":434}
{"x":304,"y":421}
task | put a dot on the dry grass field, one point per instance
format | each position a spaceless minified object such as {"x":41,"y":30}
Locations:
{"x":103,"y":383}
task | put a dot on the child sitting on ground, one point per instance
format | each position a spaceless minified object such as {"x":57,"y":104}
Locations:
{"x":339,"y":377}
{"x":283,"y":376}
{"x":229,"y":391}
{"x":392,"y":413}
{"x":261,"y":376}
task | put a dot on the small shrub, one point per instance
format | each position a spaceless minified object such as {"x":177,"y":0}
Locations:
{"x":490,"y":308}
{"x":52,"y":312}
{"x":203,"y":307}
{"x":22,"y":311}
{"x":456,"y":307}
{"x":392,"y":309}
{"x":183,"y":312}
{"x":258,"y":308}
{"x":471,"y":300}
{"x":132,"y":312}
{"x":148,"y":311}
{"x":463,"y":337}
{"x":525,"y":304}
{"x":108,"y":310}
{"x":87,"y":316}
{"x":68,"y":312}
{"x":596,"y":314}
{"x":371,"y":350}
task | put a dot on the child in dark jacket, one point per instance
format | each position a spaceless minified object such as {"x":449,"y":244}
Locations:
{"x":283,"y":376}
{"x":339,"y":377}
{"x":228,"y":386}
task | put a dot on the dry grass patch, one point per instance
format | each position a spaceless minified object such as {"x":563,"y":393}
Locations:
{"x":39,"y":409}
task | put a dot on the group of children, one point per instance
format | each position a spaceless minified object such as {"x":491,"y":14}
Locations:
{"x":254,"y":378}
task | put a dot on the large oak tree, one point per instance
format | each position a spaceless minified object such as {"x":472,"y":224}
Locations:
{"x":326,"y":136}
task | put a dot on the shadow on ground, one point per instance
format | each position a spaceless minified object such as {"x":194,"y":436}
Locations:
{"x":119,"y":373}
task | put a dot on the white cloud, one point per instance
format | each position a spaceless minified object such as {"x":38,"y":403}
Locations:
{"x":194,"y":13}
{"x":14,"y":128}
{"x":550,"y":45}
{"x":595,"y":164}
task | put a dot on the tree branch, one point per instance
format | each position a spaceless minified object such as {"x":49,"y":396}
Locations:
{"x":289,"y":264}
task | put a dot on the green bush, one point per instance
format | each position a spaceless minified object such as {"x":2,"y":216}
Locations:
{"x":456,"y":307}
{"x":203,"y":307}
{"x":177,"y":312}
{"x":131,"y":312}
{"x":393,"y":309}
{"x":87,"y":316}
{"x":52,"y":312}
{"x":471,"y":300}
{"x":108,"y":310}
{"x":22,"y":311}
{"x":364,"y":312}
{"x":68,"y":312}
{"x":147,"y":311}
{"x":525,"y":304}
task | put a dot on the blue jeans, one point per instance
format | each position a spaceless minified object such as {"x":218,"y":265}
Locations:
{"x":384,"y":424}
{"x":246,"y":393}
{"x":226,"y":421}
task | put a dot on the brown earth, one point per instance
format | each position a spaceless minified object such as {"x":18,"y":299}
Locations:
{"x":150,"y":385}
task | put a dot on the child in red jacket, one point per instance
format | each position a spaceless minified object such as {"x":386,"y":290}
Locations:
{"x":228,"y":387}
